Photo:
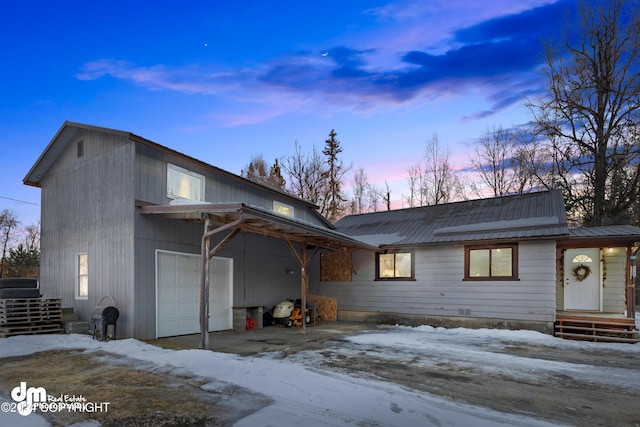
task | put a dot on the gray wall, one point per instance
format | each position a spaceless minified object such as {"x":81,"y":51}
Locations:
{"x":260,"y":264}
{"x":88,"y":206}
{"x":439,"y":289}
{"x":151,"y":184}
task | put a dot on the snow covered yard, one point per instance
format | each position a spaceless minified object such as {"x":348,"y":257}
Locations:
{"x":391,"y":376}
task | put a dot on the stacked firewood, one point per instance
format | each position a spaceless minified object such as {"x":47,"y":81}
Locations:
{"x":328,"y":307}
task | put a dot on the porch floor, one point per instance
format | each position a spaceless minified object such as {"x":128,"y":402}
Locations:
{"x":596,"y":327}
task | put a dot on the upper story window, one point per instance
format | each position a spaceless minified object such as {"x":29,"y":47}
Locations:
{"x":282,"y":208}
{"x":395,"y":266}
{"x":491,"y":262}
{"x":184,"y":184}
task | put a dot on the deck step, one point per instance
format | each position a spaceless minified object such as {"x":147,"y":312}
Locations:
{"x":596,"y":328}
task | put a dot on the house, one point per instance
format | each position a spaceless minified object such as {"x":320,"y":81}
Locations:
{"x":127,"y":218}
{"x":182,"y":247}
{"x":508,"y":262}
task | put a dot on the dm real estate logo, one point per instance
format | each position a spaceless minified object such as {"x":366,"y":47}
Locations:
{"x":26,"y":400}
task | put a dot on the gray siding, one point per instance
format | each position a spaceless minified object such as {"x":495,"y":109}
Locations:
{"x":88,"y":206}
{"x":151,"y":184}
{"x":260,"y":265}
{"x":613,"y":292}
{"x":439,"y":289}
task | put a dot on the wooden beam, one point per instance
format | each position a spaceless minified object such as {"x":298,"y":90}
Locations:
{"x":223,"y":242}
{"x":205,"y":252}
{"x":303,"y":262}
{"x":629,"y":284}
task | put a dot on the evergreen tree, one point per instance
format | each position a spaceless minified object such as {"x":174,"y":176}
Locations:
{"x":275,"y":176}
{"x":335,"y":200}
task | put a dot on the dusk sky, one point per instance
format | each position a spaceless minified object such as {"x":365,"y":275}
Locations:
{"x":224,"y":80}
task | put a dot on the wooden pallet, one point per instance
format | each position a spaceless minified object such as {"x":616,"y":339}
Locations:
{"x":35,"y":329}
{"x":29,"y":316}
{"x":596,"y":328}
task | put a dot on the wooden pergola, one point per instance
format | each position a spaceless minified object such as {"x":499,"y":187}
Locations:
{"x":232,"y":218}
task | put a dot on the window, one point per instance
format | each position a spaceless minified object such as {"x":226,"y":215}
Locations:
{"x":395,"y":266}
{"x":581,"y":258}
{"x":184,"y":184}
{"x":80,"y":149}
{"x":282,"y":208}
{"x":495,"y":262}
{"x":82,"y":276}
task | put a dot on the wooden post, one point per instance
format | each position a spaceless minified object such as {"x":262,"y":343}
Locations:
{"x":204,"y":285}
{"x":629,"y":281}
{"x":206,"y":255}
{"x":303,"y":280}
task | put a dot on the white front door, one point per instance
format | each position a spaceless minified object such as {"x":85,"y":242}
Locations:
{"x":582,"y":279}
{"x":178,"y":293}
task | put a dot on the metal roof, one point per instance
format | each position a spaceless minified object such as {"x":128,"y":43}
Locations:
{"x":605,"y":232}
{"x":260,"y":221}
{"x":521,"y":216}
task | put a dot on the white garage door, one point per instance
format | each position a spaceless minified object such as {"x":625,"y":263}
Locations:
{"x":178,"y":293}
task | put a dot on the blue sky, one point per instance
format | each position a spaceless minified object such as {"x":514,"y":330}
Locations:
{"x":222,"y":81}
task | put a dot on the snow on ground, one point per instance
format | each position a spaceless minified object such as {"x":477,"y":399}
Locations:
{"x":302,"y":389}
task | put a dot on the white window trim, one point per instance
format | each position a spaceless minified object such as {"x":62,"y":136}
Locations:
{"x":277,"y":204}
{"x":200,"y":177}
{"x":77,"y":276}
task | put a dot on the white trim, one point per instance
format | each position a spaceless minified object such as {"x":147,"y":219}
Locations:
{"x":171,"y":167}
{"x":230,"y":284}
{"x":279,"y":207}
{"x":76,"y":260}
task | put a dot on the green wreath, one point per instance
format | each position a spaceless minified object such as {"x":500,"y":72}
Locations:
{"x":581,"y":272}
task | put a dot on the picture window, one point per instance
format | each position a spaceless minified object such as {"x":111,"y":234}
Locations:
{"x":494,"y":262}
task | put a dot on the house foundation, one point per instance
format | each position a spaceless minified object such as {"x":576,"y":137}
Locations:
{"x":444,"y":321}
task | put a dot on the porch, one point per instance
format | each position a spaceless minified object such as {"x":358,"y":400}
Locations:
{"x":596,"y":327}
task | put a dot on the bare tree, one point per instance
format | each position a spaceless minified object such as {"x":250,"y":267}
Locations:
{"x":434,"y":181}
{"x":592,"y":106}
{"x":493,"y":160}
{"x":8,"y":223}
{"x":415,"y":180}
{"x":32,"y":237}
{"x":386,"y":198}
{"x":360,"y":186}
{"x":529,"y":159}
{"x":307,"y":176}
{"x":374,"y":197}
{"x":438,"y":180}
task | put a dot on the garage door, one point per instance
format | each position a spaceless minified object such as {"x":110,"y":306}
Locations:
{"x":178,"y":293}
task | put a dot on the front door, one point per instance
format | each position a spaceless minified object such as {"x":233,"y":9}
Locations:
{"x":582,"y":279}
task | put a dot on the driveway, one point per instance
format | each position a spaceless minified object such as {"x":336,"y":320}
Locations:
{"x":574,"y":382}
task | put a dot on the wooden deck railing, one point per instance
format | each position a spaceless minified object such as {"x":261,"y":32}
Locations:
{"x":596,"y":328}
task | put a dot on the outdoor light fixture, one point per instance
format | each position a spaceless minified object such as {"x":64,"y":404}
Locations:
{"x":290,"y":271}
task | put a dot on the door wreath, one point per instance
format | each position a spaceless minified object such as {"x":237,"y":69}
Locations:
{"x":581,"y":272}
